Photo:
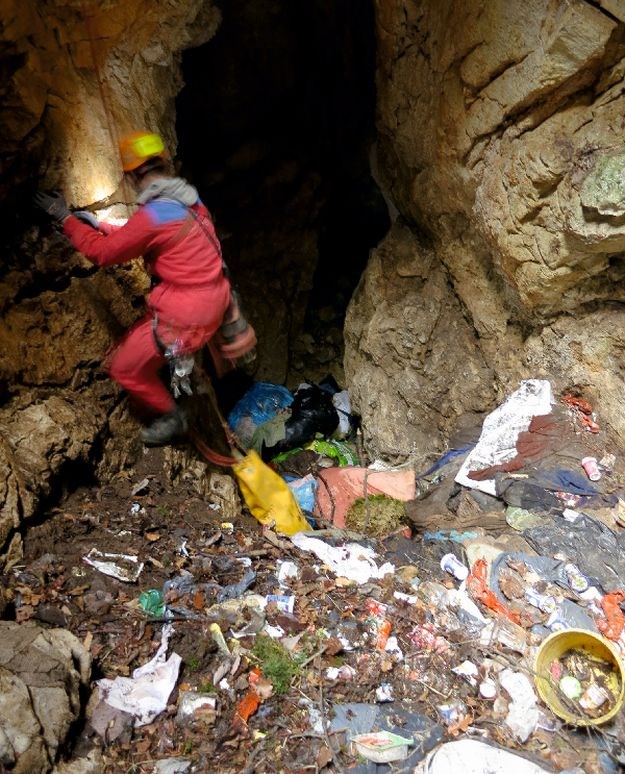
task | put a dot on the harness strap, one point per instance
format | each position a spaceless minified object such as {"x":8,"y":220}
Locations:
{"x":159,"y":344}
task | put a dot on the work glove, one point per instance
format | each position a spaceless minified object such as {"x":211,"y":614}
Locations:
{"x":88,"y":217}
{"x":54,"y":204}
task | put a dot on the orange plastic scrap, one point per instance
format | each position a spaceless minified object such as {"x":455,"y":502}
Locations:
{"x":614,"y":622}
{"x":477,"y":586}
{"x":384,"y":632}
{"x":248,"y":705}
{"x":583,"y":410}
{"x":578,"y":403}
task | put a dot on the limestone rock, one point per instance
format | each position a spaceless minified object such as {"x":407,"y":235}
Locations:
{"x":603,"y":189}
{"x":81,"y":74}
{"x":412,"y":361}
{"x":500,"y":137}
{"x":41,"y":671}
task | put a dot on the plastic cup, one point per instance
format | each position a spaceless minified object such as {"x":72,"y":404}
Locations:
{"x":592,"y":468}
{"x":451,"y":564}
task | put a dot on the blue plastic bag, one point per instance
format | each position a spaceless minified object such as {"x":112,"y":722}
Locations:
{"x":305,"y":491}
{"x":259,"y":404}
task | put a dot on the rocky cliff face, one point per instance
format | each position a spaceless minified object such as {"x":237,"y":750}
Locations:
{"x":499,"y":151}
{"x":500,"y":138}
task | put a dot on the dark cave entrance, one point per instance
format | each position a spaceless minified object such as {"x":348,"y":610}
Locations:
{"x":275,"y":125}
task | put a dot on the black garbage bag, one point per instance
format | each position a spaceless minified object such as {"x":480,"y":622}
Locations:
{"x":312,"y":413}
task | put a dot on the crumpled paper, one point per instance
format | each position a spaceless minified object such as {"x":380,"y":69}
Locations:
{"x":351,"y":561}
{"x":145,"y":694}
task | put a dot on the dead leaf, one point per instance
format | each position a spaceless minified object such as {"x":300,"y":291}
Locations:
{"x":324,"y":756}
{"x":24,"y":613}
{"x":78,"y":590}
{"x":152,"y":536}
{"x":142,"y":746}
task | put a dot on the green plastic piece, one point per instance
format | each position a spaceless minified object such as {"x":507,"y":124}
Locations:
{"x":153,"y":603}
{"x":336,"y":450}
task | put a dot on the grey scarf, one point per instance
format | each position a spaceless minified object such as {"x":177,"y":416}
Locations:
{"x":169,"y":188}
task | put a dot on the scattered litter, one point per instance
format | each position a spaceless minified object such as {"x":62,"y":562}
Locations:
{"x":344,"y":672}
{"x":287,"y":571}
{"x":469,"y":671}
{"x":453,"y":713}
{"x":592,"y":468}
{"x":304,"y":490}
{"x":384,"y":693}
{"x":145,"y":694}
{"x":488,"y":689}
{"x":284,"y":603}
{"x":339,"y":488}
{"x":196,"y":707}
{"x":235,"y":590}
{"x":153,"y":603}
{"x":177,"y":765}
{"x":580,"y":676}
{"x":267,"y":495}
{"x":350,"y":561}
{"x":523,"y":715}
{"x":451,"y":564}
{"x":140,"y":487}
{"x":124,"y":567}
{"x":500,"y":430}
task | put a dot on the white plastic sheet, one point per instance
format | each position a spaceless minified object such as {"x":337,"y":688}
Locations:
{"x":523,"y":714}
{"x":124,"y":567}
{"x":145,"y":694}
{"x":501,"y":428}
{"x":351,"y":561}
{"x":470,"y":756}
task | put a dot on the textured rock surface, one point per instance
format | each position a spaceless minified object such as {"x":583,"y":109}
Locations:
{"x":500,"y":136}
{"x":67,"y":64}
{"x":41,"y":673}
{"x":57,"y":401}
{"x":78,"y":74}
{"x":404,"y":327}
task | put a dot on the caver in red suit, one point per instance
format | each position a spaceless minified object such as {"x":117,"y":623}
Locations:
{"x":174,"y":233}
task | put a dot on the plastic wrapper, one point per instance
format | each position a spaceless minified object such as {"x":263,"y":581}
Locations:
{"x":267,"y":496}
{"x":259,"y":404}
{"x":312,"y":413}
{"x":612,"y":626}
{"x":478,"y":588}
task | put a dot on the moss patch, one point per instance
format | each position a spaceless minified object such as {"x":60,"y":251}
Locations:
{"x":275,"y":662}
{"x":385,"y":514}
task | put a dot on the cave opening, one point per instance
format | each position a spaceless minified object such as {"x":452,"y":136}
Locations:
{"x":275,"y":126}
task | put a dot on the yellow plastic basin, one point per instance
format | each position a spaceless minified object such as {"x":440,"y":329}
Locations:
{"x":555,"y":646}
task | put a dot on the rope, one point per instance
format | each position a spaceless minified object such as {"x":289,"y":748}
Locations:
{"x":236,"y":448}
{"x":212,"y":456}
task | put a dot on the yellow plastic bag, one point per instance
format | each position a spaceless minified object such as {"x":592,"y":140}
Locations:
{"x":267,"y":495}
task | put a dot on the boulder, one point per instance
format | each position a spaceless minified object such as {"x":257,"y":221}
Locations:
{"x":41,"y":674}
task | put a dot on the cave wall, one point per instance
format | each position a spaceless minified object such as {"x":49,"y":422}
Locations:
{"x":499,"y":150}
{"x":500,"y":144}
{"x":79,"y":74}
{"x":63,"y":61}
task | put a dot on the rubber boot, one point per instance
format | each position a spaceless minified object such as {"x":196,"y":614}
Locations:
{"x":165,"y":429}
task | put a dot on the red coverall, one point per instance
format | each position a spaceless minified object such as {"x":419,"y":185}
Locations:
{"x":189,"y":300}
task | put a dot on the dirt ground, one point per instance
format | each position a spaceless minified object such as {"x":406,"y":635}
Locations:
{"x":299,"y":719}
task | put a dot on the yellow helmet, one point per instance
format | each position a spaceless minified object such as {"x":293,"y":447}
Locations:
{"x":138,"y":147}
